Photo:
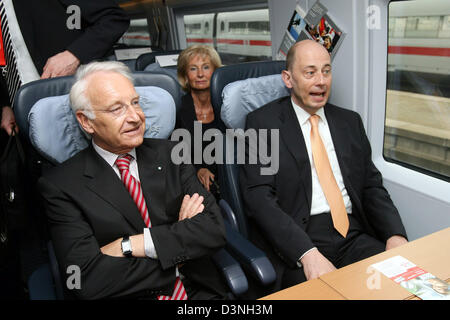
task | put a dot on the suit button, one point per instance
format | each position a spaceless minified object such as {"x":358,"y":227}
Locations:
{"x":304,"y":220}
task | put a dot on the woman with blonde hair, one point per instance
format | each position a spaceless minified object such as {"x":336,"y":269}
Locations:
{"x":196,"y":65}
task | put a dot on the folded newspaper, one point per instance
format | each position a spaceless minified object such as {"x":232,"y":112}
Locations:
{"x":315,"y":25}
{"x":414,"y":279}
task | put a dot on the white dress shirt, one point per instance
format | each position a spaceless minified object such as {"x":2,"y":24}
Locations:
{"x":111,"y":158}
{"x":319,"y":203}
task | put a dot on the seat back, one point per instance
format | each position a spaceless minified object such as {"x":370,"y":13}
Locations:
{"x":237,"y":90}
{"x":148,"y":58}
{"x":53,"y":130}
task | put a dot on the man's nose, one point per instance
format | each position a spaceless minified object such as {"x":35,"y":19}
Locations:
{"x":133,"y":114}
{"x":320,"y":79}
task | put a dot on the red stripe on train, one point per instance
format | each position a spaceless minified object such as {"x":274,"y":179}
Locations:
{"x":260,"y":43}
{"x":422,"y":51}
{"x":232,"y":41}
{"x":199,"y":40}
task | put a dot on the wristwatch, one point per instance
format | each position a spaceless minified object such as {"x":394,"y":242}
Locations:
{"x":126,"y":247}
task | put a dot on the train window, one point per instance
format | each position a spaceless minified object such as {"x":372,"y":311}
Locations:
{"x":422,"y":27}
{"x":238,"y":36}
{"x":238,"y":27}
{"x":137,"y":35}
{"x":417,"y":124}
{"x":397,"y":27}
{"x":445,"y":31}
{"x":259,"y":27}
{"x":193,"y":28}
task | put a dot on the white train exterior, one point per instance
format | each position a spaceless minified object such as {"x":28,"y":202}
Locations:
{"x":419,"y":37}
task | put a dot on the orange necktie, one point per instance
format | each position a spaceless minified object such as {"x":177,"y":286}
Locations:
{"x":327,"y":180}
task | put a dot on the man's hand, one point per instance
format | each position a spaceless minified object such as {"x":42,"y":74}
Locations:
{"x":205,"y":176}
{"x":395,"y":241}
{"x":8,"y":120}
{"x":61,"y":64}
{"x":315,"y":264}
{"x":191,"y":206}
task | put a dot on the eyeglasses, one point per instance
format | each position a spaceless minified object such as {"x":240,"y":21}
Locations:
{"x":119,"y":110}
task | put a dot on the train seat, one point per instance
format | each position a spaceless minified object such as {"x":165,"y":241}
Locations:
{"x":155,"y":67}
{"x":148,"y":58}
{"x":51,"y":120}
{"x":235,"y":111}
{"x":235,"y":91}
{"x":42,"y":104}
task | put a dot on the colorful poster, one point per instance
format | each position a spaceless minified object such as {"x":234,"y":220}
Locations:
{"x":315,"y":25}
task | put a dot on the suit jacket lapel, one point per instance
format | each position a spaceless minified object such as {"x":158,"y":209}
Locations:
{"x":106,"y":184}
{"x":292,"y":135}
{"x":340,"y":133}
{"x":152,"y":173}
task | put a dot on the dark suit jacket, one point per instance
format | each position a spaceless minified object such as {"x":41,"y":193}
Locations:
{"x":43,"y":25}
{"x":279,"y":205}
{"x":88,"y":207}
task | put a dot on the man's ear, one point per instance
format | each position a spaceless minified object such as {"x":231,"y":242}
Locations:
{"x":286,"y":76}
{"x":85,"y":122}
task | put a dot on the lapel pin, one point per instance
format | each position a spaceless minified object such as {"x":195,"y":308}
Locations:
{"x":159,"y":168}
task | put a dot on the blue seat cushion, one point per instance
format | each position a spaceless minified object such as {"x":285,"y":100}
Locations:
{"x":243,"y":96}
{"x":170,"y":71}
{"x":55,"y":133}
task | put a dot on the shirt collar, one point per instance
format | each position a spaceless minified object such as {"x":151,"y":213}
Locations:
{"x":303,"y":116}
{"x":110,"y":157}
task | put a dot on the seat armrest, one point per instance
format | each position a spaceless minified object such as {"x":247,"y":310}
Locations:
{"x":228,"y":214}
{"x":251,"y":258}
{"x":40,"y":284}
{"x":232,"y":272}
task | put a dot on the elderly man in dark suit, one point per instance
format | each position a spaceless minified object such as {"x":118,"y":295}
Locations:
{"x":135,"y":224}
{"x":326,"y":207}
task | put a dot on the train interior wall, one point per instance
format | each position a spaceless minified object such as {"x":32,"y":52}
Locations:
{"x":359,"y":84}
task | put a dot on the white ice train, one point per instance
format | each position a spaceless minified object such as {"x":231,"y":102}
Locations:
{"x":419,"y":43}
{"x":244,"y":35}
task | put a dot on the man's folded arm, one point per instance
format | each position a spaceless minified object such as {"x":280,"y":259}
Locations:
{"x":102,"y":276}
{"x":191,"y":238}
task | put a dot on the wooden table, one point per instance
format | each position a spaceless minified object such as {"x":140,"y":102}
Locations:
{"x":314,"y":289}
{"x":360,"y":281}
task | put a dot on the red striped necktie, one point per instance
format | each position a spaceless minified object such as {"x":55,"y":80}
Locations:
{"x":134,"y":188}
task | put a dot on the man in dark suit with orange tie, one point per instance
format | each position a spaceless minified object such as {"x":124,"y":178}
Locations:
{"x":326,"y":207}
{"x":135,"y":224}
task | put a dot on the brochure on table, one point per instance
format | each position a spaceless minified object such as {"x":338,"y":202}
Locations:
{"x":414,"y":279}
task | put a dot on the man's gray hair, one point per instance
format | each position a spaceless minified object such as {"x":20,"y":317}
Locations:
{"x":78,"y":98}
